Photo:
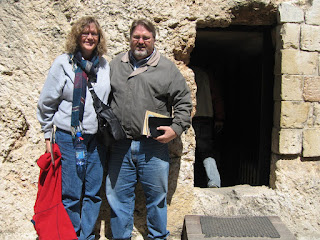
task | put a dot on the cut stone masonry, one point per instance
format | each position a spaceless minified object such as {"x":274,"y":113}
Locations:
{"x":33,"y":34}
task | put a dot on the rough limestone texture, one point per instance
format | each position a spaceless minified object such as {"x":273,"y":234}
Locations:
{"x":294,"y":114}
{"x":288,"y":87}
{"x":32,"y":35}
{"x":286,"y":141}
{"x":289,"y":13}
{"x":295,"y":62}
{"x":313,"y":13}
{"x":311,"y":90}
{"x":311,"y":138}
{"x":310,"y":38}
{"x":289,"y":34}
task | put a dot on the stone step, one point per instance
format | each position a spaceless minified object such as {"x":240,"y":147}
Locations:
{"x":200,"y":227}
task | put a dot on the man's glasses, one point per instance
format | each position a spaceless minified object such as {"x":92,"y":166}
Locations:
{"x":144,"y":38}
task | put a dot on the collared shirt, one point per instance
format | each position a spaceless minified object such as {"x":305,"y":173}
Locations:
{"x":138,"y":63}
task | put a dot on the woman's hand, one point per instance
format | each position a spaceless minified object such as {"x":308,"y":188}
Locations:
{"x":48,"y":147}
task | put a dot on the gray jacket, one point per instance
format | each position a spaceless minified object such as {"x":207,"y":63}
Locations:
{"x":55,"y":102}
{"x":157,"y":86}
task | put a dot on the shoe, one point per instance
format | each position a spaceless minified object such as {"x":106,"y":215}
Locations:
{"x":211,"y":185}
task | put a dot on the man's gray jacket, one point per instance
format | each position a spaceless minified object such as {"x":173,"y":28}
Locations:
{"x":157,"y":86}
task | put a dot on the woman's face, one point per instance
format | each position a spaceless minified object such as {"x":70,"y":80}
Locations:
{"x":89,"y":40}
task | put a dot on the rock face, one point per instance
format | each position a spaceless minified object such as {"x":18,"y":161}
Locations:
{"x":32,"y":35}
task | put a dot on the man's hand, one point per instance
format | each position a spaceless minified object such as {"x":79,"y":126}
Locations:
{"x":168,"y":135}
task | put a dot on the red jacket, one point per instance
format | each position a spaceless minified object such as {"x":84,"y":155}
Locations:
{"x":51,"y":220}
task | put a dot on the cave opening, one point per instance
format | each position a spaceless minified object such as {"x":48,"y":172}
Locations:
{"x":240,"y":60}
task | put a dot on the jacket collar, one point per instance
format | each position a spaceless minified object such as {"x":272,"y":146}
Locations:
{"x":153,"y":61}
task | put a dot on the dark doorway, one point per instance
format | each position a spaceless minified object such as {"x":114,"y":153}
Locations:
{"x":241,"y":58}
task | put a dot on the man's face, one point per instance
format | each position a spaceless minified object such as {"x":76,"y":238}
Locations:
{"x":141,"y":42}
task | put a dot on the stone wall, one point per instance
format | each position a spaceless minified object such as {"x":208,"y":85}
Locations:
{"x":32,"y":35}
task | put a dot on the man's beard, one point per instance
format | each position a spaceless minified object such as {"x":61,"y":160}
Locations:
{"x":140,"y":53}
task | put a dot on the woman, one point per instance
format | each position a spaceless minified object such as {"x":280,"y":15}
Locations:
{"x":66,"y":102}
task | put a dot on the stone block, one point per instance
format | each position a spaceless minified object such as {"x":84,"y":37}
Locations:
{"x":311,"y":89}
{"x":292,"y":172}
{"x":286,"y":141}
{"x":313,"y":14}
{"x":294,"y":114}
{"x":291,"y":61}
{"x":290,"y":13}
{"x":310,"y":38}
{"x":283,"y":164}
{"x":311,"y":142}
{"x":288,"y":87}
{"x":288,"y":36}
{"x":291,"y":114}
{"x":316,"y":114}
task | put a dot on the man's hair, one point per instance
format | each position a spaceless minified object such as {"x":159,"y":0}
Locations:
{"x":72,"y":42}
{"x":147,"y":24}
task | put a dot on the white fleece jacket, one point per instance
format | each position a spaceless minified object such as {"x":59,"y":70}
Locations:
{"x":55,"y":102}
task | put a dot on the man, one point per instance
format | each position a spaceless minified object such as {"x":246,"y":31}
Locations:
{"x":141,"y":80}
{"x":207,"y":124}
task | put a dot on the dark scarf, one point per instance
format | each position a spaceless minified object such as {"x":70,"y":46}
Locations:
{"x":85,"y":69}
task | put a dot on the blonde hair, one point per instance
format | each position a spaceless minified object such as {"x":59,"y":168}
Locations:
{"x":72,"y":42}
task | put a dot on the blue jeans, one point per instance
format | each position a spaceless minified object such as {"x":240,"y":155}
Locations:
{"x":145,"y":160}
{"x":80,"y":198}
{"x":213,"y":175}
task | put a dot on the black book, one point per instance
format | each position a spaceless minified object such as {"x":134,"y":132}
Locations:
{"x":155,"y":122}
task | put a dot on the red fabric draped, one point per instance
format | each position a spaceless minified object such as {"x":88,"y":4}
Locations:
{"x":51,"y":220}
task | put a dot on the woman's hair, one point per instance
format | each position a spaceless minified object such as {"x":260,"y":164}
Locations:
{"x":72,"y":42}
{"x":147,"y":24}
